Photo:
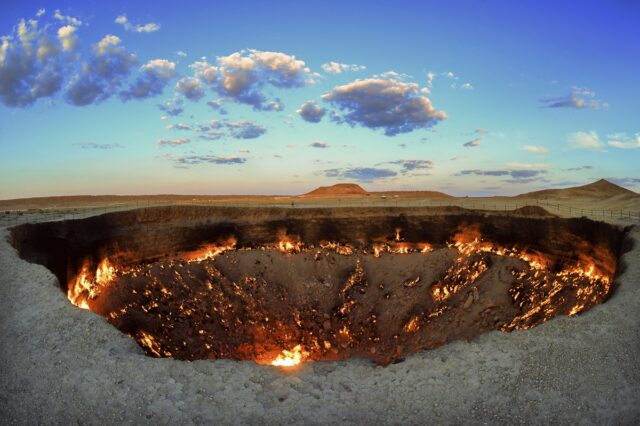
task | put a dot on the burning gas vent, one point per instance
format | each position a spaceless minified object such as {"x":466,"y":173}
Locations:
{"x":305,"y":296}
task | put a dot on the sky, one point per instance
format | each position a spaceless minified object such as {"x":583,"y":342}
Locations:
{"x":248,"y":97}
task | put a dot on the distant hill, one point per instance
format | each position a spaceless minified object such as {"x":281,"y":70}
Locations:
{"x":599,"y":189}
{"x":337,"y":189}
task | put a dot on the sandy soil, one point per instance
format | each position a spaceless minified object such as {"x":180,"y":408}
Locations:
{"x":60,"y":364}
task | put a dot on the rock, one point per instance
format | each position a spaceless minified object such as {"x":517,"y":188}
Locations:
{"x":468,"y":302}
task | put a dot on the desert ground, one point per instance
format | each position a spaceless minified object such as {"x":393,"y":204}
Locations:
{"x":60,"y":364}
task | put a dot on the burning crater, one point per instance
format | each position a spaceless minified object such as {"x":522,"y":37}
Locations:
{"x":281,"y":286}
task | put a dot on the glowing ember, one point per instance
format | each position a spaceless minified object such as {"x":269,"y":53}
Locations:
{"x":290,"y":358}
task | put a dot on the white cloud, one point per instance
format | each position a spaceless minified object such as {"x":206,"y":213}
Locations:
{"x":622,"y":141}
{"x":430,"y":77}
{"x":66,"y":19}
{"x":67,"y":37}
{"x":337,"y":68}
{"x":586,"y":140}
{"x":191,"y":88}
{"x":109,"y":66}
{"x":535,"y":149}
{"x":28,"y":73}
{"x":138,"y":28}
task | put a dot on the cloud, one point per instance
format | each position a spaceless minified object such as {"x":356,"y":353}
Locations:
{"x":579,"y":98}
{"x":387,"y":104}
{"x":518,"y":172}
{"x":155,"y":76}
{"x":312,"y":112}
{"x":179,"y":126}
{"x":181,"y":53}
{"x":172,"y":107}
{"x":242,"y":76}
{"x":189,"y":160}
{"x":319,"y":144}
{"x":411,"y":165}
{"x":361,"y":174}
{"x":109,"y":65}
{"x":466,"y":86}
{"x":67,"y":37}
{"x":628,"y":181}
{"x":575,"y":169}
{"x":191,"y":88}
{"x":31,"y":64}
{"x":244,"y":73}
{"x":172,"y":142}
{"x":40,"y":12}
{"x":337,"y":68}
{"x":430,"y":77}
{"x":481,"y":131}
{"x":472,"y":143}
{"x":586,"y":140}
{"x":62,"y":18}
{"x":234,"y":129}
{"x":93,"y":145}
{"x":137,"y":28}
{"x":535,"y":149}
{"x":622,"y":141}
{"x":245,"y":130}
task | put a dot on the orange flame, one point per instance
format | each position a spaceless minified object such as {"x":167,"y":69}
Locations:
{"x":290,"y":358}
{"x":87,"y":286}
{"x":210,"y":251}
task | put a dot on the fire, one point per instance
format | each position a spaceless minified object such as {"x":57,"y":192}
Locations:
{"x":87,"y":286}
{"x":343,"y":249}
{"x":289,"y":246}
{"x":176,"y":291}
{"x":210,"y":251}
{"x":290,"y":358}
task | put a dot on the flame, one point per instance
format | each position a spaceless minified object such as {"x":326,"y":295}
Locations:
{"x":290,"y":358}
{"x":398,"y":230}
{"x":87,"y":286}
{"x":210,"y":251}
{"x":343,"y":249}
{"x":289,"y":246}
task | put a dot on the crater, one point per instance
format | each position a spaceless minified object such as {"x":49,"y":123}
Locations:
{"x":285,"y":286}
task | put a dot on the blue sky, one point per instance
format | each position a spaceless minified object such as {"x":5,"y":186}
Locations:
{"x":467,"y":97}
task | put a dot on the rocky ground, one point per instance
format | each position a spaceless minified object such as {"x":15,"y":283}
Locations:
{"x":60,"y":364}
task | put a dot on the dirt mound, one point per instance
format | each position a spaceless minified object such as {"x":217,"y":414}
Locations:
{"x":337,"y":189}
{"x":599,"y":189}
